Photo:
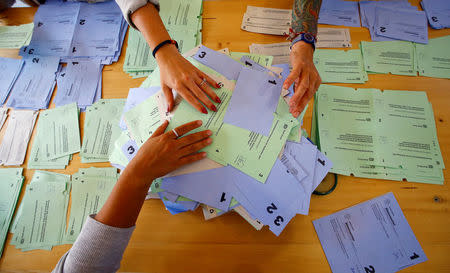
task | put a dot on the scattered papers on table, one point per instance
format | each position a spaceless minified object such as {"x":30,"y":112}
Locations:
{"x":383,"y":135}
{"x":10,"y":187}
{"x":373,"y":236}
{"x":57,"y":138}
{"x":101,"y":129}
{"x":15,"y":36}
{"x":340,"y":66}
{"x":438,"y":13}
{"x":340,"y":13}
{"x":267,"y":20}
{"x":34,"y":86}
{"x":10,"y":70}
{"x":90,"y":189}
{"x":433,"y":59}
{"x":17,"y":135}
{"x":41,"y":218}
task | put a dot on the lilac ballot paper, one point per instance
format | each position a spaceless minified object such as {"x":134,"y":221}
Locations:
{"x":370,"y":237}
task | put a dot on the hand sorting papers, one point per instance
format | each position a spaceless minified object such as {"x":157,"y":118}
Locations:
{"x":383,"y":135}
{"x":373,"y":236}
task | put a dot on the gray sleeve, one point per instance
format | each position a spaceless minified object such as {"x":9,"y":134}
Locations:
{"x":130,"y":6}
{"x":98,"y":248}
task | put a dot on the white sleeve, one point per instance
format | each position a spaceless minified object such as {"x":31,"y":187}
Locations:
{"x":130,"y":6}
{"x":98,"y":248}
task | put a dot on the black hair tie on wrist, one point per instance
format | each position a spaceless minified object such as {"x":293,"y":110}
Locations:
{"x":163,"y":43}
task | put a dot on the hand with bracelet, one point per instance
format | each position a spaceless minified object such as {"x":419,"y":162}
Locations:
{"x":176,"y":72}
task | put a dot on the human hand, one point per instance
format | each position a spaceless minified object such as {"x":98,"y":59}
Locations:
{"x":304,"y":75}
{"x":179,"y":74}
{"x":165,"y":152}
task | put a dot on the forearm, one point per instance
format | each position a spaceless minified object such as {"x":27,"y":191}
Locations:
{"x":305,"y":14}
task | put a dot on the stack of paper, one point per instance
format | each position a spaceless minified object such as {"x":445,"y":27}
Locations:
{"x":267,"y":20}
{"x":90,"y":189}
{"x":79,"y":82}
{"x":15,"y":140}
{"x":41,"y":219}
{"x":15,"y":36}
{"x":340,"y":66}
{"x":57,"y":138}
{"x":394,"y":20}
{"x":101,"y":129}
{"x":373,"y":236}
{"x":183,"y":21}
{"x":433,"y":59}
{"x":395,"y":57}
{"x":10,"y":70}
{"x":340,"y":13}
{"x":3,"y":116}
{"x":383,"y":135}
{"x":78,"y":30}
{"x":10,"y":187}
{"x":438,"y":13}
{"x":34,"y":86}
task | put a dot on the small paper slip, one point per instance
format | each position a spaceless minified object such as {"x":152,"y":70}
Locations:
{"x":337,"y":12}
{"x":407,"y":25}
{"x":253,"y":102}
{"x":438,"y":13}
{"x":340,"y":66}
{"x":244,"y":214}
{"x":333,"y":37}
{"x":279,"y":51}
{"x":10,"y":70}
{"x":373,"y":236}
{"x":267,"y":20}
{"x":15,"y":141}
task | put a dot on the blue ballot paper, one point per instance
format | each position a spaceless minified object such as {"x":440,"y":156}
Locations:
{"x":9,"y":71}
{"x":399,"y":24}
{"x":254,"y":101}
{"x":220,"y":62}
{"x":211,"y":187}
{"x":135,"y":97}
{"x":438,"y":13}
{"x":34,"y":86}
{"x":373,"y":236}
{"x":284,"y":74}
{"x":337,"y":12}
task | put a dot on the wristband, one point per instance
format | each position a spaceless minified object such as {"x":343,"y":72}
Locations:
{"x":163,"y":43}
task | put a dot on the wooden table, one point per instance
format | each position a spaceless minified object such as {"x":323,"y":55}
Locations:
{"x":187,"y":243}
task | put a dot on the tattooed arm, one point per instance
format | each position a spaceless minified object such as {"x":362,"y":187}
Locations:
{"x":304,"y":74}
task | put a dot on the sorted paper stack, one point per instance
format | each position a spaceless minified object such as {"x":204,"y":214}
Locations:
{"x":267,"y":20}
{"x":383,"y":135}
{"x":340,"y":13}
{"x":438,"y":13}
{"x":57,"y":138}
{"x":340,"y":66}
{"x":90,"y":189}
{"x":183,"y":21}
{"x":41,"y":219}
{"x":248,"y":148}
{"x":101,"y":129}
{"x":15,"y":36}
{"x":10,"y":187}
{"x":386,"y":21}
{"x":433,"y":59}
{"x":17,"y":135}
{"x":10,"y":69}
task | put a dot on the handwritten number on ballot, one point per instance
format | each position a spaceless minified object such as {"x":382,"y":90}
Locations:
{"x":271,"y":208}
{"x":202,"y":54}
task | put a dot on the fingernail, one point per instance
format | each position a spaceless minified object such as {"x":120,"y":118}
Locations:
{"x":296,"y":114}
{"x":199,"y":122}
{"x":217,"y":85}
{"x":218,"y":100}
{"x":203,"y":154}
{"x":204,"y":110}
{"x":214,"y":108}
{"x":209,"y":132}
{"x":208,"y":140}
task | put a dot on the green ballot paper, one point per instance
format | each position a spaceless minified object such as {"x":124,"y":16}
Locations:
{"x":395,"y":57}
{"x":433,"y":59}
{"x":15,"y":36}
{"x":340,"y":66}
{"x":375,"y":134}
{"x":265,"y":60}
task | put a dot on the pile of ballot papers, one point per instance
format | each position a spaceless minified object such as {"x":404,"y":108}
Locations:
{"x":78,"y":31}
{"x":17,"y":135}
{"x":374,"y":134}
{"x":10,"y":187}
{"x":183,"y":21}
{"x":438,"y":13}
{"x":253,"y":165}
{"x":433,"y":59}
{"x":57,"y":138}
{"x":40,"y":221}
{"x":15,"y":36}
{"x":386,"y":21}
{"x":11,"y":69}
{"x":339,"y":12}
{"x":90,"y":189}
{"x":373,"y":236}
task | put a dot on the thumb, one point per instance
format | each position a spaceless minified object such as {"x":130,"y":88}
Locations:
{"x":169,"y":97}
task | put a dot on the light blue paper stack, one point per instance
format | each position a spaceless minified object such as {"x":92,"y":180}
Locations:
{"x":10,"y":70}
{"x":340,"y":13}
{"x":438,"y":13}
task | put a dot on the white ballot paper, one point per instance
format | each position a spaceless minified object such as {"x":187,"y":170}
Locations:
{"x":15,"y":141}
{"x":267,"y":20}
{"x":373,"y":236}
{"x":333,"y":37}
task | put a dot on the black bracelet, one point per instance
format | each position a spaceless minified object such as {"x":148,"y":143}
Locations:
{"x":163,"y":43}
